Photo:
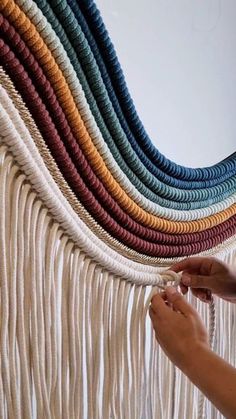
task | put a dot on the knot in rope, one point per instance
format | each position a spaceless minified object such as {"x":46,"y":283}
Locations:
{"x":170,"y":278}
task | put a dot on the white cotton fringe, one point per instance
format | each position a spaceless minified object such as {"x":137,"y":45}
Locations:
{"x":75,"y":339}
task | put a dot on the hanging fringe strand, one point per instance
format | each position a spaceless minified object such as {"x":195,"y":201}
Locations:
{"x":75,"y":339}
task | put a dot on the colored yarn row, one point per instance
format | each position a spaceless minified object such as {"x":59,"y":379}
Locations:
{"x":59,"y":58}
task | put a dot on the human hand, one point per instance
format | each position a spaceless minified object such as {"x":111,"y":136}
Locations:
{"x":178,"y":327}
{"x":205,"y":276}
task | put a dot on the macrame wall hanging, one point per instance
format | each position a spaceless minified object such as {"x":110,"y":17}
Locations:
{"x":91,"y":218}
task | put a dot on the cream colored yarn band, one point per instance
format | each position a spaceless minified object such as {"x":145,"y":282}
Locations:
{"x":78,"y":208}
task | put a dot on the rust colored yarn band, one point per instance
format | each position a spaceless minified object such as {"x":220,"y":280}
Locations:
{"x":76,"y":155}
{"x":41,"y":116}
{"x":39,"y":49}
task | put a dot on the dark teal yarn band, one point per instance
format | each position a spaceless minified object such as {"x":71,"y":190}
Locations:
{"x":48,"y":12}
{"x":107,"y":51}
{"x":165,"y":178}
{"x":81,"y":47}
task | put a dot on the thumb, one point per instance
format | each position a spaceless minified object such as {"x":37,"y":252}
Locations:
{"x":196,"y":281}
{"x":178,"y":301}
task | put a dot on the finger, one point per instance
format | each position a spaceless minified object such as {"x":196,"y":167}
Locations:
{"x":153,"y":318}
{"x":193,"y":263}
{"x":196,"y":281}
{"x":200,"y":293}
{"x":151,"y":313}
{"x":163,"y":295}
{"x":159,"y":306}
{"x":178,"y":302}
{"x":183,"y":288}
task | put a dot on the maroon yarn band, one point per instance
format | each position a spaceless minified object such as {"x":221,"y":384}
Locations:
{"x":44,"y":122}
{"x":44,"y":88}
{"x":78,"y":158}
{"x":99,"y":190}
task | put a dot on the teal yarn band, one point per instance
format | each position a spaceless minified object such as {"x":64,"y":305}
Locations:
{"x":97,"y":27}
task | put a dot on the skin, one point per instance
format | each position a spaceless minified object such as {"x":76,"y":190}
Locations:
{"x":187,"y":345}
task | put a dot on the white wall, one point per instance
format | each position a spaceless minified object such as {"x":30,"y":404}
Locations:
{"x":179,"y":60}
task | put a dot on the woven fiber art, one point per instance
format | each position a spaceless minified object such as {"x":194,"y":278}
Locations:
{"x":92,"y":215}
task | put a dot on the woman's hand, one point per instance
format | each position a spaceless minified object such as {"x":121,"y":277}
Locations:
{"x":182,"y":335}
{"x":205,"y":276}
{"x":178,"y":327}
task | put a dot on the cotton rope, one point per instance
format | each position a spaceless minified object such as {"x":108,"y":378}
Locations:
{"x":92,"y":216}
{"x":134,"y":210}
{"x":43,"y":399}
{"x":135,"y":243}
{"x":59,"y":54}
{"x":119,"y":87}
{"x":44,"y":153}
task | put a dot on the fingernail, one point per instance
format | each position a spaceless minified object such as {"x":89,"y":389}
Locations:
{"x":186,"y":279}
{"x":171,"y":290}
